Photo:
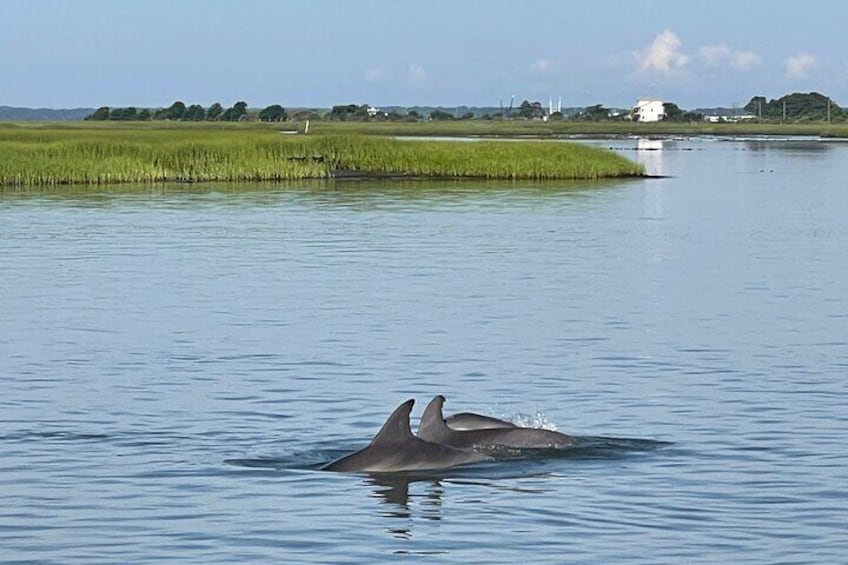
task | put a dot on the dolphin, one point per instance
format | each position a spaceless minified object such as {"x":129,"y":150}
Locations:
{"x":471,"y":421}
{"x":433,"y":428}
{"x":396,"y":449}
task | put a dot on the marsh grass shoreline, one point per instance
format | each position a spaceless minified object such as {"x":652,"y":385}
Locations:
{"x":36,"y":154}
{"x":45,"y":156}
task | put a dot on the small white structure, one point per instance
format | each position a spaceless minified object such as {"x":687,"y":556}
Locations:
{"x":554,"y":107}
{"x":648,"y":110}
{"x":733,"y":118}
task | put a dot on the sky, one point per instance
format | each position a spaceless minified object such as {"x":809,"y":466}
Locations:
{"x":318,"y":53}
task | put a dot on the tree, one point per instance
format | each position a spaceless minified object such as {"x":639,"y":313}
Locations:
{"x":796,"y":106}
{"x":273,"y":113}
{"x":99,"y":114}
{"x":144,"y":115}
{"x":214,"y":112}
{"x":440,"y":115}
{"x":342,"y":112}
{"x":194,"y":113}
{"x":175,"y":111}
{"x":530,"y":110}
{"x":672,"y":112}
{"x":349,"y":112}
{"x":758,"y":106}
{"x":130,"y":113}
{"x":595,"y":113}
{"x":235,"y":113}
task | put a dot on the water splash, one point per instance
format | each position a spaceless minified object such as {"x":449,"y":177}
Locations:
{"x":538,"y":420}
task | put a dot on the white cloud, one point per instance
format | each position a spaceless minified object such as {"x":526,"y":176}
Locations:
{"x":415,"y":75}
{"x":722,"y":55}
{"x":715,"y":55}
{"x":374,"y":75}
{"x":798,"y":65}
{"x":663,"y":55}
{"x":541,"y":65}
{"x":745,"y":60}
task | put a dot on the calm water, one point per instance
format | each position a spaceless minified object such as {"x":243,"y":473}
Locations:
{"x":175,"y":363}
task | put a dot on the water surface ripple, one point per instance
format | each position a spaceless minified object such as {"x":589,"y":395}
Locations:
{"x":176,"y":363}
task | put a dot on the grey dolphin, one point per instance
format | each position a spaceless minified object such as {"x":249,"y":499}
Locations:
{"x":433,"y":428}
{"x":395,"y":449}
{"x":472,"y":421}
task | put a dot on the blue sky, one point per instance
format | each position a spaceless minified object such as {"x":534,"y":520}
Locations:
{"x":71,"y":53}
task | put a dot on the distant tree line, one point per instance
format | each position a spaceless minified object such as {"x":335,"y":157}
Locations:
{"x":367,"y":113}
{"x":674,"y":114}
{"x":179,"y":112}
{"x":792,"y":107}
{"x":796,"y":107}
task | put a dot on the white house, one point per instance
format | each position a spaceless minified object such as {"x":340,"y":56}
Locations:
{"x":648,"y":110}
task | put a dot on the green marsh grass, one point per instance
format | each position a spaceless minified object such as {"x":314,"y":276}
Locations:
{"x":82,"y":154}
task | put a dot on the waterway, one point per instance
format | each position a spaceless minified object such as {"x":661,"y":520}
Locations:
{"x":176,"y":362}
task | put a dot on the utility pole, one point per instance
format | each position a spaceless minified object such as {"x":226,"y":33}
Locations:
{"x":828,"y":110}
{"x":784,"y":110}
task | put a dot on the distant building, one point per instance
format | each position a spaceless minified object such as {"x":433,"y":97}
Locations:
{"x":647,"y":110}
{"x":732,"y":118}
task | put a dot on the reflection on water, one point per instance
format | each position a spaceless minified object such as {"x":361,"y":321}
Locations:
{"x":651,"y":155}
{"x":413,"y":497}
{"x":350,"y":194}
{"x":788,"y":147}
{"x":394,"y":492}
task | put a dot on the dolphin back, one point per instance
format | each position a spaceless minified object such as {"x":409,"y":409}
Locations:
{"x":472,"y":421}
{"x":396,"y":449}
{"x":491,"y":439}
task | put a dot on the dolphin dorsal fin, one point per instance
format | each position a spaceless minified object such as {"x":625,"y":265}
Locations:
{"x":433,"y":424}
{"x":396,"y":426}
